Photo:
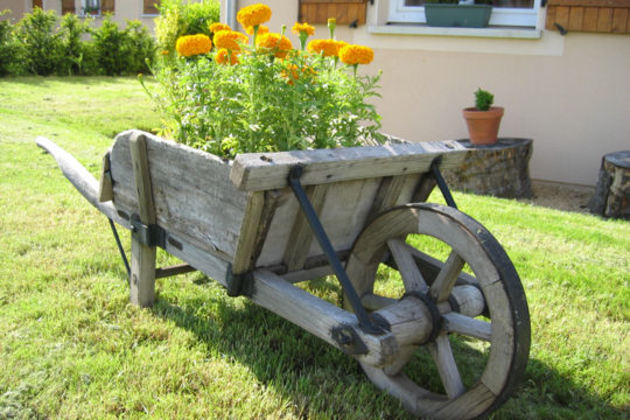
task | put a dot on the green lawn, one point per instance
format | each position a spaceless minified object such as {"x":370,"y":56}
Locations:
{"x":72,"y":347}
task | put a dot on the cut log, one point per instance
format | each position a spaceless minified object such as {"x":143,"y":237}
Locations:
{"x":612,"y":193}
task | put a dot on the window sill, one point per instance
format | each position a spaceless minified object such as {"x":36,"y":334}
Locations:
{"x":490,"y":32}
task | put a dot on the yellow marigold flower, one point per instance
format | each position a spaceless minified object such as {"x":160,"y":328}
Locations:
{"x":164,"y":52}
{"x":262,"y":29}
{"x":190,"y":45}
{"x":356,"y":54}
{"x":253,"y":15}
{"x":328,"y":47}
{"x":218,"y":26}
{"x":278,"y":44}
{"x":225,"y":56}
{"x":303,"y":27}
{"x":230,"y":40}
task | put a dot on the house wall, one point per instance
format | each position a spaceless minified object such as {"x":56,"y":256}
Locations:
{"x":17,"y":7}
{"x":571,"y":94}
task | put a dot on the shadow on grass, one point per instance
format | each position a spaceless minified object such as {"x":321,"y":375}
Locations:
{"x":322,"y":380}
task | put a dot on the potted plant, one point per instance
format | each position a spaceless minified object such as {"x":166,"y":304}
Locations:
{"x":454,"y":13}
{"x":483,"y":119}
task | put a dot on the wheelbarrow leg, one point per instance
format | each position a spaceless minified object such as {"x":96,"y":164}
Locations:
{"x":142,"y":278}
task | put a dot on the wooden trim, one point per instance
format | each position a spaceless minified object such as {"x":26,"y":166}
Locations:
{"x":67,"y":6}
{"x":344,"y":11}
{"x":108,"y":6}
{"x":601,"y":16}
{"x":38,"y":3}
{"x":149,"y":7}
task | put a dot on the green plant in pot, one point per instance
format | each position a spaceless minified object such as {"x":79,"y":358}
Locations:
{"x":483,"y":119}
{"x":458,"y":13}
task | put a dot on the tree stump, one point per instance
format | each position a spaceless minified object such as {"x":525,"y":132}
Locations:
{"x":612,"y":193}
{"x":500,"y":169}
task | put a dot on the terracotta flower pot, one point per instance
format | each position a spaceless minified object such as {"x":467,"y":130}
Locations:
{"x":483,"y":126}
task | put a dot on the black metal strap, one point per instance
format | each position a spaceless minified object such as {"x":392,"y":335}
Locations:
{"x":365,"y":323}
{"x":120,"y":247}
{"x":435,"y":169}
{"x":436,"y":316}
{"x":149,"y":235}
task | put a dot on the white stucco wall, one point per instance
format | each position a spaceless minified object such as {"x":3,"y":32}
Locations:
{"x":570,"y":94}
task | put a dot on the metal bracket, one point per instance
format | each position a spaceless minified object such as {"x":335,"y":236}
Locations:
{"x":348,"y":340}
{"x":365,"y":323}
{"x":435,"y":169}
{"x":149,"y":235}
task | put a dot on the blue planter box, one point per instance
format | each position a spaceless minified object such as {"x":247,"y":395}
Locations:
{"x":454,"y":15}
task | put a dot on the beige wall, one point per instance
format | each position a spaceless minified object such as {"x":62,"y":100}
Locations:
{"x":570,"y":94}
{"x":17,"y":7}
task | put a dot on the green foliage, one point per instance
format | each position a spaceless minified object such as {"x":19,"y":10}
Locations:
{"x":483,"y":99}
{"x":264,"y":104}
{"x":42,"y":46}
{"x":179,"y":17}
{"x":122,"y":51}
{"x":10,"y":50}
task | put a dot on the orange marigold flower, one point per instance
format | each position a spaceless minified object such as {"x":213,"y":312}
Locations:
{"x":262,"y":29}
{"x":218,"y":26}
{"x":225,"y":56}
{"x":278,"y":44}
{"x":328,"y":47}
{"x":164,"y":52}
{"x":190,"y":45}
{"x":356,"y":54}
{"x":253,"y":15}
{"x":303,"y":27}
{"x":230,"y":40}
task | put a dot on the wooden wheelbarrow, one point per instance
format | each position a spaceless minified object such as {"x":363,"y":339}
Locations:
{"x":268,"y":220}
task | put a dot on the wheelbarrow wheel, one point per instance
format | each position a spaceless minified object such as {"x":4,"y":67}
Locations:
{"x":477,"y":351}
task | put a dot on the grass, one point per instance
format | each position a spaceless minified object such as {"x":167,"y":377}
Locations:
{"x":72,"y":347}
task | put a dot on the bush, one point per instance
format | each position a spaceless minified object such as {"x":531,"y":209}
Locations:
{"x":122,"y":51}
{"x":40,"y":41}
{"x":73,"y":49}
{"x":10,"y":50}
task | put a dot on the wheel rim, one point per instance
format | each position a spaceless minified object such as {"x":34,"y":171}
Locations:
{"x":507,"y":332}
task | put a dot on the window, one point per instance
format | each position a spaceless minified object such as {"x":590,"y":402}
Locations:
{"x":504,"y":12}
{"x":91,"y":7}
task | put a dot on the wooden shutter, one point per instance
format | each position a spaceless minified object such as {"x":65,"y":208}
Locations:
{"x":67,"y":6}
{"x":605,"y":16}
{"x":149,"y":7}
{"x":37,"y":3}
{"x":345,"y":11}
{"x":108,"y":6}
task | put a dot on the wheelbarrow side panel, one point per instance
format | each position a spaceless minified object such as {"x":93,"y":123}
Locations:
{"x":193,"y":197}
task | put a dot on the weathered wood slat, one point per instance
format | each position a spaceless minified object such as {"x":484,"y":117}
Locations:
{"x":446,"y":366}
{"x":194,"y":199}
{"x":301,"y":236}
{"x":246,"y":246}
{"x":262,"y":171}
{"x":142,"y":277}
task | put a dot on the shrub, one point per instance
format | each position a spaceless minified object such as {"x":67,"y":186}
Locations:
{"x":263,"y":103}
{"x":40,"y":41}
{"x":10,"y":50}
{"x":73,"y":49}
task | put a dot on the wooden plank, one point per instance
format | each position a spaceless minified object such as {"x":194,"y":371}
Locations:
{"x":465,"y":325}
{"x":412,"y":278}
{"x":301,"y":236}
{"x":590,"y":19}
{"x":142,"y":277}
{"x":590,"y":3}
{"x":619,"y":21}
{"x":604,"y":19}
{"x":445,"y":280}
{"x":562,"y":16}
{"x":194,"y":199}
{"x":446,"y":366}
{"x":317,"y":316}
{"x":390,"y":191}
{"x":551,"y":18}
{"x":244,"y":256}
{"x":262,"y":171}
{"x":106,"y":189}
{"x":576,"y":19}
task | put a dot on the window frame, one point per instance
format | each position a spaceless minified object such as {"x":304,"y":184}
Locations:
{"x":501,"y":16}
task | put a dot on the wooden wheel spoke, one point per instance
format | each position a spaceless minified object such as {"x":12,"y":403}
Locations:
{"x":446,"y":366}
{"x":412,"y":278}
{"x":464,"y":325}
{"x":445,"y":280}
